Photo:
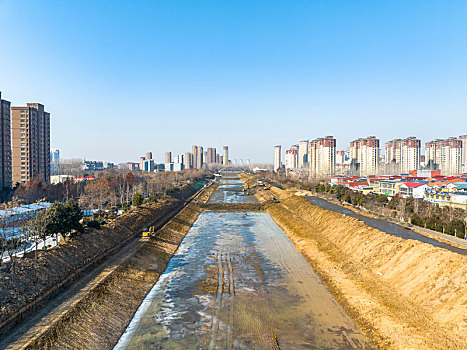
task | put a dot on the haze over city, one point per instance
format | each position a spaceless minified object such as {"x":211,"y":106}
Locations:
{"x":120,"y":79}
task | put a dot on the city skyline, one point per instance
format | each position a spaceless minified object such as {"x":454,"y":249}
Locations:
{"x":215,"y":74}
{"x":367,"y":156}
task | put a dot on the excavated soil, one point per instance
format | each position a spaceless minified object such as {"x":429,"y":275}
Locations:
{"x":403,"y":293}
{"x":99,"y":319}
{"x":36,"y":279}
{"x":238,"y":282}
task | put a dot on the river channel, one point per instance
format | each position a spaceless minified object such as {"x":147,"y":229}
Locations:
{"x":238,"y":282}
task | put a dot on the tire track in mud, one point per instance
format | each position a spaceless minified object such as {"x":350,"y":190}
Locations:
{"x":297,"y":282}
{"x":229,"y":340}
{"x":225,"y":277}
{"x":255,"y":291}
{"x":218,"y":301}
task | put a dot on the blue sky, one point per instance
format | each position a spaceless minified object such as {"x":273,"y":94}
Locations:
{"x":125,"y":77}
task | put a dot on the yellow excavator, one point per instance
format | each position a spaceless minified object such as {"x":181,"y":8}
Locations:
{"x":148,"y":232}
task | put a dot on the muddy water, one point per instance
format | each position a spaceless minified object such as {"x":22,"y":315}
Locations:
{"x":230,"y":191}
{"x":238,"y":282}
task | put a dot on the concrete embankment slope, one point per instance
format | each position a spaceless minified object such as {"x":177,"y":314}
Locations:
{"x":37,"y":280}
{"x":403,"y":293}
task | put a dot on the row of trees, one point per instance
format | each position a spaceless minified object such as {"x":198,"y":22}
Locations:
{"x":111,"y":188}
{"x":446,"y":219}
{"x":114,"y":190}
{"x":59,"y":218}
{"x":109,"y":191}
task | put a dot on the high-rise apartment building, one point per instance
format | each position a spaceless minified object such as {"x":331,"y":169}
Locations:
{"x":303,"y":150}
{"x":445,"y":155}
{"x":463,"y":138}
{"x":364,"y":154}
{"x":322,"y":157}
{"x":403,"y":155}
{"x":146,"y":163}
{"x":194,"y":152}
{"x":200,"y":161}
{"x":178,"y":159}
{"x":55,"y":162}
{"x":5,"y":143}
{"x":188,"y":160}
{"x":30,"y":128}
{"x":340,"y":159}
{"x":211,"y":155}
{"x":291,"y":157}
{"x":392,"y":152}
{"x":277,"y":158}
{"x":168,"y":157}
{"x":225,"y":159}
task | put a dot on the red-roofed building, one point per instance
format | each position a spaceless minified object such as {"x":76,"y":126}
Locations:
{"x":412,"y":189}
{"x":440,"y":182}
{"x":84,"y":178}
{"x":425,"y":173}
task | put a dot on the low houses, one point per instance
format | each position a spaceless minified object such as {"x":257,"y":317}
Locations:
{"x":23,"y":212}
{"x":84,"y":178}
{"x":459,"y":201}
{"x":57,"y":179}
{"x":413,"y":189}
{"x":437,"y":189}
{"x":389,"y":187}
{"x":444,"y":198}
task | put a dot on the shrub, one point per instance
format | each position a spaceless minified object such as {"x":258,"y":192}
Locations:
{"x":94,"y":224}
{"x":417,"y":221}
{"x":138,"y":199}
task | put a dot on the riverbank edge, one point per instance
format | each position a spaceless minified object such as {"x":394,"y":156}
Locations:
{"x":403,"y":294}
{"x":100,"y":316}
{"x":438,"y":236}
{"x":120,"y":232}
{"x":380,"y":311}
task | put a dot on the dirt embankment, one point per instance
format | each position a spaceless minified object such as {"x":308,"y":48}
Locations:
{"x":207,"y":193}
{"x":37,"y":279}
{"x":259,"y":191}
{"x":98,"y":319}
{"x":403,"y":293}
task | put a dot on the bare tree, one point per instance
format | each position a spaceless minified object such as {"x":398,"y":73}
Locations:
{"x":15,"y":241}
{"x":71,"y":167}
{"x":465,"y":223}
{"x":4,"y":231}
{"x":37,"y":228}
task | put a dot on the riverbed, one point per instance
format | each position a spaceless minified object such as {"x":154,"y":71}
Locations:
{"x":238,"y":282}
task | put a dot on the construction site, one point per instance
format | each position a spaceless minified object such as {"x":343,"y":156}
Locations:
{"x":238,"y":264}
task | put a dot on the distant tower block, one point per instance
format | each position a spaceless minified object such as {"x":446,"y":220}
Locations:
{"x":277,"y":158}
{"x":225,"y":159}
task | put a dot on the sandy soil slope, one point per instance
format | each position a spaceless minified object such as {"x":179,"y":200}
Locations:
{"x":403,"y":293}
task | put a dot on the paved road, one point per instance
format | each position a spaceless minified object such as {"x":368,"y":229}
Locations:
{"x":393,"y":228}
